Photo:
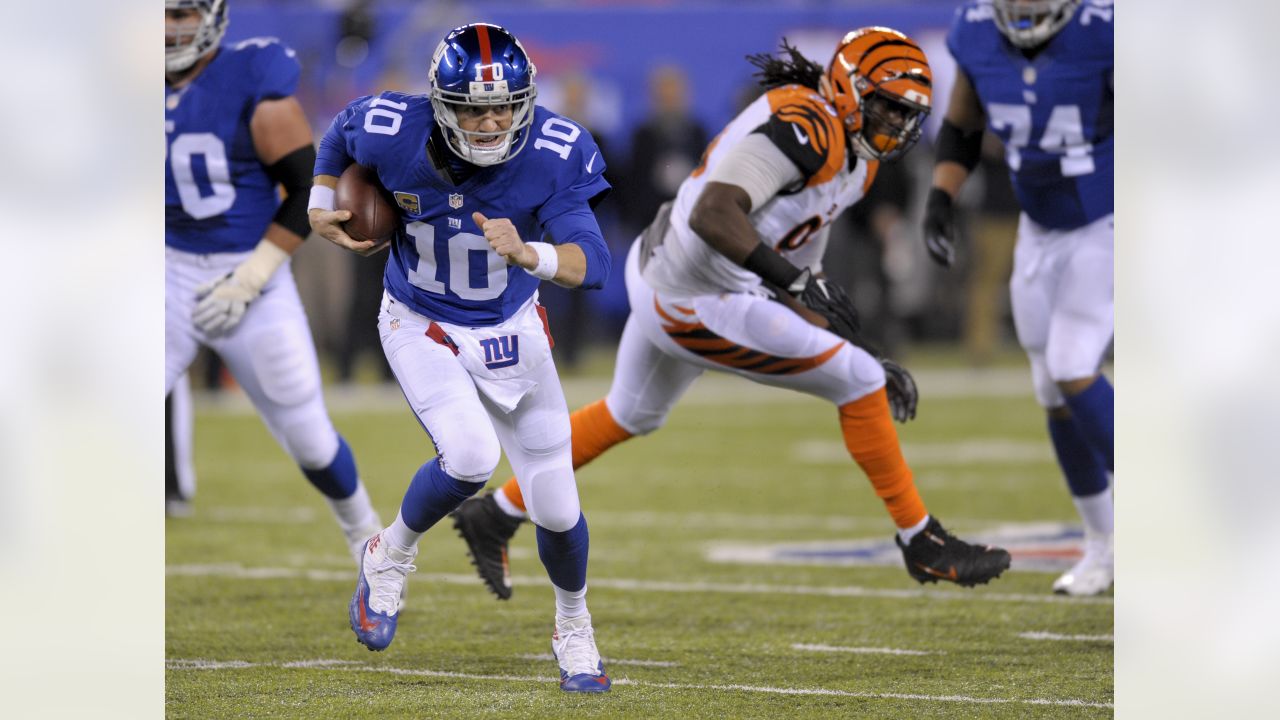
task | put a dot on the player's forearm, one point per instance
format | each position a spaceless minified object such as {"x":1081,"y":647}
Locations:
{"x":720,"y":219}
{"x":572,"y":266}
{"x":283,"y":238}
{"x":950,"y":177}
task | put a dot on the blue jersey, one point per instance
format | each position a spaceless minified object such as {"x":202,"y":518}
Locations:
{"x":441,"y":265}
{"x":1053,"y":111}
{"x":217,"y":195}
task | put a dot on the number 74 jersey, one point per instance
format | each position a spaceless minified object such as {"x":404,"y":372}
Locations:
{"x":440,"y":264}
{"x":1053,"y":111}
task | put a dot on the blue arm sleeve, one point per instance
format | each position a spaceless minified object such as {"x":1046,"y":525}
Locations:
{"x":337,"y":147}
{"x":580,"y":227}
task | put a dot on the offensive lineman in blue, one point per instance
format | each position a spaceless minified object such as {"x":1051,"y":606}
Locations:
{"x":495,"y":194}
{"x":234,"y":132}
{"x":1039,"y":74}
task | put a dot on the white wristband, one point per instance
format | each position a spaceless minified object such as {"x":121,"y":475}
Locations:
{"x":321,"y":198}
{"x":548,"y":260}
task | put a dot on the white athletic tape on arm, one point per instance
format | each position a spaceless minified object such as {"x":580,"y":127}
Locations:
{"x":321,"y":198}
{"x":548,"y":260}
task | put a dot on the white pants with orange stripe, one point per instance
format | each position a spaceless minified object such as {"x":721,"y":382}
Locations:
{"x":668,"y":342}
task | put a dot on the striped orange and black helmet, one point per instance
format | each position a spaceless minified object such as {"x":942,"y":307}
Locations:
{"x":880,"y":83}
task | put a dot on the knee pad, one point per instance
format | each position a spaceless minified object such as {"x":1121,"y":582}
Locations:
{"x":474,"y":458}
{"x":551,"y":496}
{"x":284,"y":363}
{"x":1072,"y":360}
{"x":1046,"y":386}
{"x":310,"y":439}
{"x":857,"y":373}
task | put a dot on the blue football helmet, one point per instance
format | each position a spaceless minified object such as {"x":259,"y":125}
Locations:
{"x":482,"y":64}
{"x":187,"y":42}
{"x":1028,"y":23}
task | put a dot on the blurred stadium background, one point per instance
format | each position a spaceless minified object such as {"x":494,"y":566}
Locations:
{"x":653,"y":80}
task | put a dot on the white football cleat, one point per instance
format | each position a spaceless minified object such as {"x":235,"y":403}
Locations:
{"x":1093,"y":574}
{"x":356,"y":539}
{"x":574,"y":645}
{"x":374,"y":609}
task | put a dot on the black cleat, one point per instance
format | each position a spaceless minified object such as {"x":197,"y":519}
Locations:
{"x":487,"y":530}
{"x":935,"y":554}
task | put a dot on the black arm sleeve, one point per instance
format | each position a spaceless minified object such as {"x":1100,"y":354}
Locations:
{"x":956,"y":145}
{"x":293,"y":171}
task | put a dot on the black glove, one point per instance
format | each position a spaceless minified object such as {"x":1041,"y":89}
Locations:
{"x":940,"y":227}
{"x":901,"y":388}
{"x":828,"y":300}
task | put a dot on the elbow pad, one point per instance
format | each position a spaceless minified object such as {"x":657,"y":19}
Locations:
{"x":293,"y":171}
{"x":956,"y":145}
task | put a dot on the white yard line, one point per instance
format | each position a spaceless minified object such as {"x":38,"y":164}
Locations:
{"x":236,"y":571}
{"x":858,"y":650}
{"x":710,"y":389}
{"x":973,"y":451}
{"x":208,"y":665}
{"x":1037,"y":635}
{"x":607,"y":660}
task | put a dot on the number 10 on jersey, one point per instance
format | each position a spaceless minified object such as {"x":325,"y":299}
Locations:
{"x":475,"y":272}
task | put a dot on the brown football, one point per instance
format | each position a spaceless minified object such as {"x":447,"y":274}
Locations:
{"x":373,"y":214}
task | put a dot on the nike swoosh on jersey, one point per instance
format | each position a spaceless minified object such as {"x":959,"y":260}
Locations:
{"x":592,"y":161}
{"x":801,"y":137}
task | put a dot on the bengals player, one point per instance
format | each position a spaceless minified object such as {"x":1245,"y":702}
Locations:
{"x":728,"y":278}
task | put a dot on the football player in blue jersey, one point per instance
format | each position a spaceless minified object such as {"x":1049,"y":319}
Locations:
{"x":234,"y":133}
{"x":495,"y":194}
{"x":1038,"y":73}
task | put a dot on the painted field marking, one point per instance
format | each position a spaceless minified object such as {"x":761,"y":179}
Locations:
{"x":607,"y":660}
{"x":236,"y":571}
{"x":1036,"y":635}
{"x":209,"y":665}
{"x":859,"y":650}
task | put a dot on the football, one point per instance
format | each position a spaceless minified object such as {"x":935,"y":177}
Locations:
{"x":373,"y":214}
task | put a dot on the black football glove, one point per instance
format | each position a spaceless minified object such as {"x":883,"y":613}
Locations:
{"x":940,"y":227}
{"x":901,"y":389}
{"x":828,"y":300}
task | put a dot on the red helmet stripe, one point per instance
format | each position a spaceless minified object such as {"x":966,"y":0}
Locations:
{"x":486,"y":56}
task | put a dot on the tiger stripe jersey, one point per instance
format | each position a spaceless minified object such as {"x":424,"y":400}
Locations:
{"x":804,"y":126}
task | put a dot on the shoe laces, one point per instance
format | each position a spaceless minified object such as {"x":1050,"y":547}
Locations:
{"x":578,"y":654}
{"x":386,"y":578}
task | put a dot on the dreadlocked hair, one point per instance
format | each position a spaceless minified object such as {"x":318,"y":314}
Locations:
{"x":794,"y":69}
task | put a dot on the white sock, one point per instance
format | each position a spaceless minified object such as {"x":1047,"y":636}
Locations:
{"x":355,"y":512}
{"x":907,"y":533}
{"x":401,"y":536}
{"x":507,"y":506}
{"x":570,"y":604}
{"x":1097,"y":512}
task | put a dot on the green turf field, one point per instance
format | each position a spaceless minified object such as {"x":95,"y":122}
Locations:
{"x":259,"y":578}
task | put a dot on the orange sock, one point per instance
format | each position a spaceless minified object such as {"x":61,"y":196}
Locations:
{"x":873,"y":443}
{"x":594,"y":431}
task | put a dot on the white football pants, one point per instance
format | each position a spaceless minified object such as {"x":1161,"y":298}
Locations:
{"x":470,"y":431}
{"x":669,"y":342}
{"x":270,"y":353}
{"x":1062,"y":293}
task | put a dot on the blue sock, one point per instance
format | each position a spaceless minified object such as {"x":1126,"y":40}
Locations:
{"x":338,"y":480}
{"x":433,"y":494}
{"x":565,"y":555}
{"x":1094,"y":409}
{"x":1086,"y":475}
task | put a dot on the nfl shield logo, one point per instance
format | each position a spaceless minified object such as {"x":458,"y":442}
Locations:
{"x":455,"y":201}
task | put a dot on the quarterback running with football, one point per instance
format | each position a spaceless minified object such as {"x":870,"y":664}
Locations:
{"x":495,"y":194}
{"x":234,"y":133}
{"x":728,"y":278}
{"x":1039,"y":73}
